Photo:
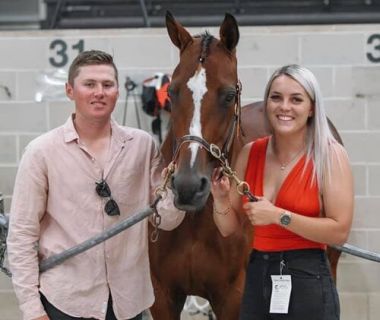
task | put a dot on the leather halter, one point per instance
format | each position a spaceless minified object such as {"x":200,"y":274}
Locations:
{"x":215,"y":151}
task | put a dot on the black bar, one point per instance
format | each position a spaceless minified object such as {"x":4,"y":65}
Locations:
{"x":56,"y":15}
{"x":205,"y":21}
{"x":1,"y":203}
{"x":145,"y":13}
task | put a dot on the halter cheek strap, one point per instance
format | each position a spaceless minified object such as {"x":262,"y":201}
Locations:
{"x":235,"y":127}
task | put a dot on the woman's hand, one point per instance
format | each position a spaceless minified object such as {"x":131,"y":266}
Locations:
{"x":262,"y":212}
{"x":223,"y":211}
{"x":220,"y":185}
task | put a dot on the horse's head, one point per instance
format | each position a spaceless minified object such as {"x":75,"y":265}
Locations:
{"x":204,"y":93}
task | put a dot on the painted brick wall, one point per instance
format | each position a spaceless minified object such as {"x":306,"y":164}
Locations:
{"x":345,"y":59}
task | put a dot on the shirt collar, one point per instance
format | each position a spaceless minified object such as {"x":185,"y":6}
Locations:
{"x":118,"y":133}
{"x":69,"y":132}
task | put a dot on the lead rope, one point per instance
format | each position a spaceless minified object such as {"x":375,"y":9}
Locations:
{"x":242,"y":187}
{"x":160,"y":194}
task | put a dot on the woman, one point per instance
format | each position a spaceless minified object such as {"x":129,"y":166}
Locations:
{"x":303,"y":180}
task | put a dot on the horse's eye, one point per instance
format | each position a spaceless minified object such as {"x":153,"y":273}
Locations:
{"x":230,"y":97}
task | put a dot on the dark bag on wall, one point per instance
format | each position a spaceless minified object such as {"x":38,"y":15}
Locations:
{"x":154,"y":95}
{"x":149,"y":101}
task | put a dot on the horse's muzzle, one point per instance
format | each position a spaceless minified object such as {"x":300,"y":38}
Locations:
{"x":190,"y":191}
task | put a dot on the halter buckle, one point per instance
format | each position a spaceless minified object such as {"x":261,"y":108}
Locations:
{"x":215,"y":151}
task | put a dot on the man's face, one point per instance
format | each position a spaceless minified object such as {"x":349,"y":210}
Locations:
{"x":95,"y":91}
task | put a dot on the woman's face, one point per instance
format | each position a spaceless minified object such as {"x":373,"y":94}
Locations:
{"x":288,"y":106}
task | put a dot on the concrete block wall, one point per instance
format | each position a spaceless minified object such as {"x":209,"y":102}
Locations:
{"x":345,"y":59}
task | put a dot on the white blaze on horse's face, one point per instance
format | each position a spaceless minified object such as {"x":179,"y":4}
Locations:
{"x":197,"y":85}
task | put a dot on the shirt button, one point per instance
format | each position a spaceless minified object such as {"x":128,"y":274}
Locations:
{"x":266,"y":257}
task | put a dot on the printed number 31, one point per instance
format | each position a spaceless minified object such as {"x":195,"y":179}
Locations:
{"x":60,"y":48}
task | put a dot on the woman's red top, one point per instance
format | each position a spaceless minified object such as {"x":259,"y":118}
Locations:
{"x":297,"y":194}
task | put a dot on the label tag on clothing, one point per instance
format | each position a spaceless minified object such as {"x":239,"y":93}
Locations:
{"x":281,"y":288}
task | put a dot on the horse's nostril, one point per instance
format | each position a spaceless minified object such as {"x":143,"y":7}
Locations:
{"x":204,"y":184}
{"x":173,"y":183}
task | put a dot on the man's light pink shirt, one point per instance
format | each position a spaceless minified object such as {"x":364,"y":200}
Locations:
{"x":55,"y":207}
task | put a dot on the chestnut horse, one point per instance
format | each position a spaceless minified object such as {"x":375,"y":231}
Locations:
{"x":194,"y":259}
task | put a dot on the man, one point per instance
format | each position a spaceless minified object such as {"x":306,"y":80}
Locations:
{"x":73,"y":183}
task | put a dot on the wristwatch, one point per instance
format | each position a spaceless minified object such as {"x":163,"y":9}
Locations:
{"x":285,"y":218}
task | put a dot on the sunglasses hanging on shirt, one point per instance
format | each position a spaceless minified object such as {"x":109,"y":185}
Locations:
{"x":104,"y":191}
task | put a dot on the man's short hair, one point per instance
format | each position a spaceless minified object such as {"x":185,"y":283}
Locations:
{"x":90,"y":57}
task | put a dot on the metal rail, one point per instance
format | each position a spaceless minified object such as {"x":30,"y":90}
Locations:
{"x":358,"y":252}
{"x":116,"y":229}
{"x":73,"y":251}
{"x":60,"y":257}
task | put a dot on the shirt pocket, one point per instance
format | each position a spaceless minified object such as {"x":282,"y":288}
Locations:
{"x":131,"y":189}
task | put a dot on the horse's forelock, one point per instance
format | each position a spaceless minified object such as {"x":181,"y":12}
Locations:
{"x":206,"y":40}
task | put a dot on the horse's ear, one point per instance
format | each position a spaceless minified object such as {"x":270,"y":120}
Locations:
{"x":229,"y":32}
{"x":177,"y":33}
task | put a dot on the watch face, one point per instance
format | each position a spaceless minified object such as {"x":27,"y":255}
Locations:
{"x":285,"y":219}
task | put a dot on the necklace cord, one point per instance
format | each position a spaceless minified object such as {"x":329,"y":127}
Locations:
{"x":283,"y":165}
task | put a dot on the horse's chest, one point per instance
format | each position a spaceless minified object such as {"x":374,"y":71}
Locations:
{"x":204,"y":246}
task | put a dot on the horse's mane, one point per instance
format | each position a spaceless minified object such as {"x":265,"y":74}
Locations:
{"x":206,"y":39}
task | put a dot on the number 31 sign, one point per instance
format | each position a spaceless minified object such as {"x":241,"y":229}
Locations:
{"x":59,"y":50}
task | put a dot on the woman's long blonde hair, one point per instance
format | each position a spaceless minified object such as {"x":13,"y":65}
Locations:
{"x":319,"y":136}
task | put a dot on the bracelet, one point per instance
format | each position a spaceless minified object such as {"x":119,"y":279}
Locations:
{"x":224,"y":212}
